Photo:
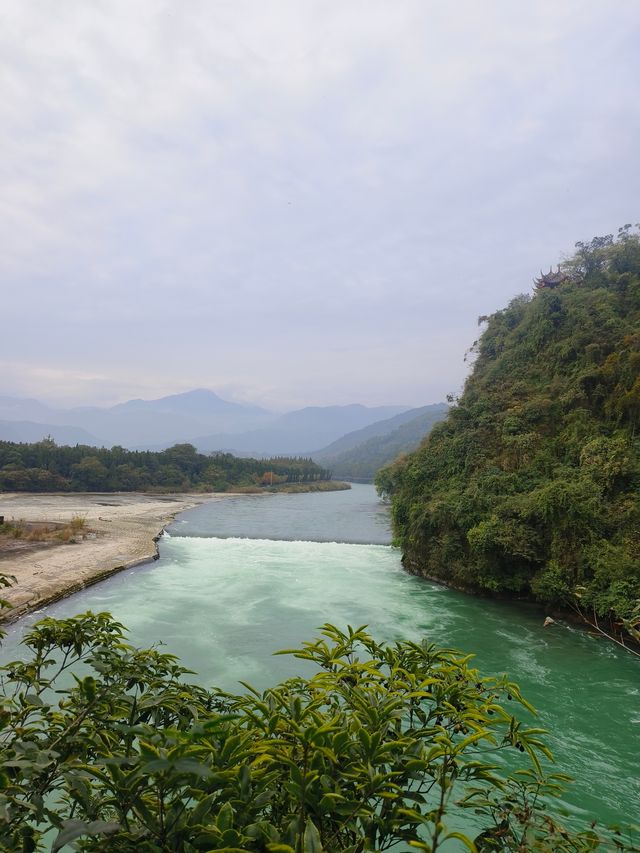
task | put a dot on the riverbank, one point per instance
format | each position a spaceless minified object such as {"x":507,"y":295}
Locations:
{"x":119,"y":530}
{"x":294,"y":488}
{"x":316,"y":486}
{"x":609,"y":629}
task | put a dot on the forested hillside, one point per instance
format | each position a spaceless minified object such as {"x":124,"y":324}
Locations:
{"x":46,"y":467}
{"x":361,"y":462}
{"x":530,"y":486}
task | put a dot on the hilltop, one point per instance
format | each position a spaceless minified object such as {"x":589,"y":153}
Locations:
{"x":530,"y":486}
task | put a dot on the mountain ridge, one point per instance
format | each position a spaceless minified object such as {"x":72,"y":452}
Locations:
{"x":200,"y":401}
{"x":353,"y":439}
{"x":31,"y":431}
{"x":361,"y":459}
{"x":199,"y":416}
{"x":295,"y":432}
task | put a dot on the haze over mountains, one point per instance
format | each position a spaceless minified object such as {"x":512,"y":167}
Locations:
{"x":138,"y":423}
{"x":358,"y":455}
{"x":199,"y":416}
{"x":299,"y":432}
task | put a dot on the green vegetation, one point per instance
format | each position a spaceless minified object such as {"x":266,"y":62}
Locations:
{"x":362,"y":461}
{"x":46,"y":467}
{"x":383,"y":745}
{"x":530,"y":487}
{"x":319,"y":486}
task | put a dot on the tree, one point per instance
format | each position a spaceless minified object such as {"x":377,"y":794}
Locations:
{"x":90,"y":474}
{"x":380,"y":747}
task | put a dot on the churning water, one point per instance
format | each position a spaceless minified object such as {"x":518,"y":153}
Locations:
{"x":242,"y":577}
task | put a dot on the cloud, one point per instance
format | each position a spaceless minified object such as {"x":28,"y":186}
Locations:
{"x":219,"y":193}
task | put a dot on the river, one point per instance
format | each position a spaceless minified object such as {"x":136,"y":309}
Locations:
{"x":242,"y":577}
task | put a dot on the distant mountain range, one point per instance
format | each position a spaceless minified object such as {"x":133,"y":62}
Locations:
{"x":138,"y":423}
{"x":296,"y":432}
{"x":199,"y":403}
{"x":358,"y":455}
{"x":200,"y":417}
{"x":30,"y":431}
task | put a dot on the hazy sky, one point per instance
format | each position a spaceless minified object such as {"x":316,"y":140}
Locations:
{"x":296,"y":202}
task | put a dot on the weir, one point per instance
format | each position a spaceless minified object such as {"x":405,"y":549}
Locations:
{"x":224,"y":602}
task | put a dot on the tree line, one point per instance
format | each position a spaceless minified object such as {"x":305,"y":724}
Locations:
{"x":44,"y":466}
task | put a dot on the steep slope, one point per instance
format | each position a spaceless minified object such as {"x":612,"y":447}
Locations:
{"x":378,"y":428}
{"x":530,"y":486}
{"x":295,"y":432}
{"x":361,"y":459}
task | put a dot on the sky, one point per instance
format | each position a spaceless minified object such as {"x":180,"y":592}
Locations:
{"x":296,"y":202}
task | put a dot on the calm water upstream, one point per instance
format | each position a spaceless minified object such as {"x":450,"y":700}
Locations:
{"x":242,"y":577}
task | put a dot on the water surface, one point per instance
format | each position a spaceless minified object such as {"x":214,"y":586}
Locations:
{"x":354,"y":515}
{"x":240,"y":578}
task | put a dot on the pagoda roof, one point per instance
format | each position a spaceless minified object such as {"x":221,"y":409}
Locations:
{"x":550,"y":279}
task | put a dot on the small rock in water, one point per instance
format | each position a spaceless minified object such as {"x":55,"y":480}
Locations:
{"x":548,"y":621}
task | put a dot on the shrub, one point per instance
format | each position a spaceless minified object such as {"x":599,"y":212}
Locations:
{"x":380,"y":747}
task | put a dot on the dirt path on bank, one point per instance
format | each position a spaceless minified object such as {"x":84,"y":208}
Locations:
{"x":120,"y":531}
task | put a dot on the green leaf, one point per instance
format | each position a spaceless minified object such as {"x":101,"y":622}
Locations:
{"x":202,"y":810}
{"x":73,"y":829}
{"x":195,"y":768}
{"x":245,"y":780}
{"x":312,"y":842}
{"x":465,"y":840}
{"x":224,"y":820}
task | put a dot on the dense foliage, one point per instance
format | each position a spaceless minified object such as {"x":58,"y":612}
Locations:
{"x":363,"y":461}
{"x":383,"y":745}
{"x":45,"y":467}
{"x":530,"y":487}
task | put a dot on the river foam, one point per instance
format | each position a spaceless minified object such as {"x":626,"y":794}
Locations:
{"x":224,"y":605}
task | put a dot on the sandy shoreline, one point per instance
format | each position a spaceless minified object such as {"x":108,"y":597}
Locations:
{"x":122,"y":530}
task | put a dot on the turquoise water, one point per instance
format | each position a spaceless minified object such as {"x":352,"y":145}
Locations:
{"x":224,"y":596}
